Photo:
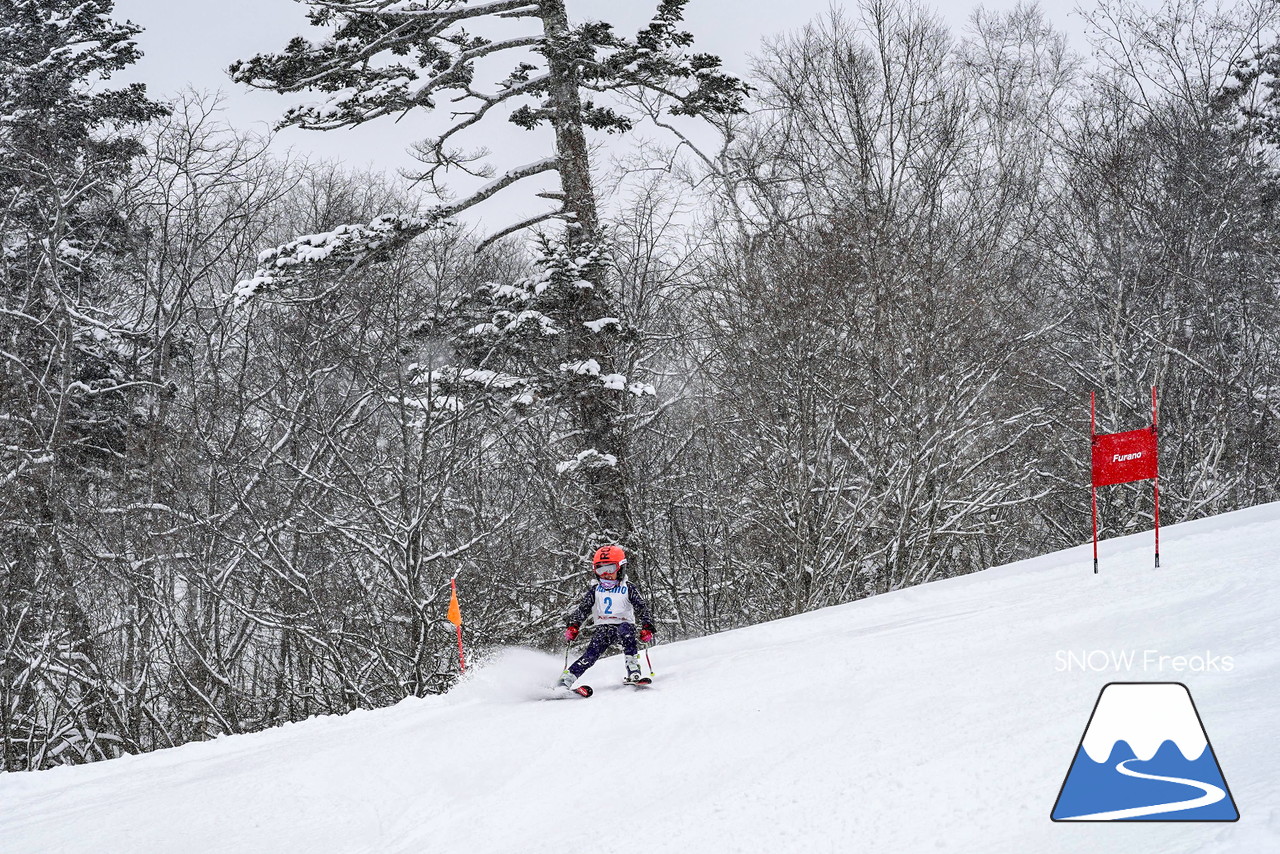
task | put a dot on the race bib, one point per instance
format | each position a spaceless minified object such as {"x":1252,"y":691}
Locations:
{"x":614,"y":606}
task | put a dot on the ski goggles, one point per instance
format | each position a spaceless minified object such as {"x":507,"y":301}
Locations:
{"x":607,"y":569}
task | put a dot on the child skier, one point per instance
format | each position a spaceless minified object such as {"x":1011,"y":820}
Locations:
{"x":615,"y":604}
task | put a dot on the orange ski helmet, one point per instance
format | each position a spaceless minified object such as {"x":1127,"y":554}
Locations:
{"x":609,"y":556}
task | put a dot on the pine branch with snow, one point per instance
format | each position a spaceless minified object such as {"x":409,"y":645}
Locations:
{"x":380,"y":59}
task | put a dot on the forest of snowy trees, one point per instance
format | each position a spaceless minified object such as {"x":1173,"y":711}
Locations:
{"x":815,"y":335}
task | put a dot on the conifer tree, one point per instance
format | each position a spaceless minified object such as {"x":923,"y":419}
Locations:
{"x":69,"y":372}
{"x":555,"y":339}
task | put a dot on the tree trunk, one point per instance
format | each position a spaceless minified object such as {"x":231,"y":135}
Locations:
{"x":596,"y":414}
{"x":571,"y":140}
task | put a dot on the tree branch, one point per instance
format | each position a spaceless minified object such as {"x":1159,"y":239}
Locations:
{"x":512,"y":229}
{"x":450,"y":14}
{"x":354,"y":246}
{"x":452,"y":73}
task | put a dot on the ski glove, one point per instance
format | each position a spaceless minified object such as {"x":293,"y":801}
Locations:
{"x":571,"y":633}
{"x":646,"y":634}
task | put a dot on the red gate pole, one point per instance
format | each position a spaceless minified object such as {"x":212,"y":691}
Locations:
{"x":1093,"y":487}
{"x":462,"y":656}
{"x":1156,"y":479}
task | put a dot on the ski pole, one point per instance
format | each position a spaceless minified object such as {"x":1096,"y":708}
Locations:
{"x":648,"y":660}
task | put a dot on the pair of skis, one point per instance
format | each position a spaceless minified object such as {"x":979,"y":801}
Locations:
{"x":585,"y":690}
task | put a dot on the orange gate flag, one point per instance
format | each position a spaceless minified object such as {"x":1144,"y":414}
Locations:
{"x":455,"y":616}
{"x":455,"y":613}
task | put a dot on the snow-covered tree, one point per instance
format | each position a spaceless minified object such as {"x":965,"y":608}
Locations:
{"x":557,"y":338}
{"x":64,"y":142}
{"x":68,"y":376}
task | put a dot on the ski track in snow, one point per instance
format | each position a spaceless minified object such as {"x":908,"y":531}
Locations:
{"x":931,"y":719}
{"x":1211,"y":795}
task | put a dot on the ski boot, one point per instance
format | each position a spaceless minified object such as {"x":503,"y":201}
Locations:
{"x":633,"y":670}
{"x":566,"y":684}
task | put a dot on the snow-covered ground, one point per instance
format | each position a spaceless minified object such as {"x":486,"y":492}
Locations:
{"x":940,"y":718}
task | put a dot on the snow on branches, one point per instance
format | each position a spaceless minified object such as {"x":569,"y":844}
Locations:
{"x":538,"y":345}
{"x":451,"y":388}
{"x":344,"y":246}
{"x":588,"y":459}
{"x":345,"y":249}
{"x":613,"y":382}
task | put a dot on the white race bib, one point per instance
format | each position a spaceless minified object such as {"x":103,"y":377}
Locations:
{"x":613,"y":606}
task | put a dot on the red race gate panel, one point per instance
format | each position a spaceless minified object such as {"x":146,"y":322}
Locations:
{"x":1124,"y":457}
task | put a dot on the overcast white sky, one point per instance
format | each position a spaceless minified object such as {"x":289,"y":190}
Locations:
{"x":191,"y":42}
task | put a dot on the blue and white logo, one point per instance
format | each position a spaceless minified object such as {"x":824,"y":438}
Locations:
{"x":1145,"y":757}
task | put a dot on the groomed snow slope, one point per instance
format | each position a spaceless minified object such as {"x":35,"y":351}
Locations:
{"x":931,"y":719}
